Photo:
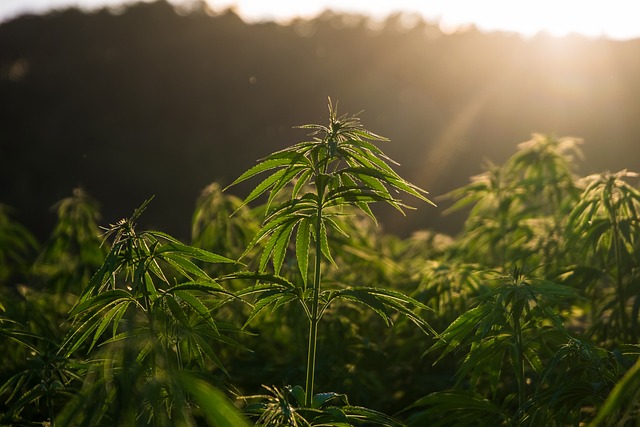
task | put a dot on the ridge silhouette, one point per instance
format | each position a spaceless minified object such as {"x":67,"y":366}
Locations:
{"x":153,"y":100}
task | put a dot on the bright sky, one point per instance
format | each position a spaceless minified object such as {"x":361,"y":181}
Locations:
{"x":617,"y":19}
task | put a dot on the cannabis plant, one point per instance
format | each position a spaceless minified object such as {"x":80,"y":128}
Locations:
{"x":605,"y":226}
{"x":287,"y":407}
{"x":145,"y":322}
{"x":340,"y":168}
{"x":574,"y":383}
{"x":544,"y":168}
{"x":491,"y":229}
{"x":449,"y":287}
{"x":17,"y":247}
{"x":622,"y":406}
{"x":42,"y":382}
{"x":34,"y":378}
{"x":214,"y":228}
{"x":74,"y":252}
{"x":502,"y":343}
{"x":518,"y":210}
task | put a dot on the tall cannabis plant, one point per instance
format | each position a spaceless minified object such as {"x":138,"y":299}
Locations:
{"x":339,"y":168}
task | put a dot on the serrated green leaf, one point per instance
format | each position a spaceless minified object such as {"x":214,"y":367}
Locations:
{"x":274,"y":300}
{"x":80,"y":334}
{"x":366,"y":299}
{"x":302,"y":180}
{"x":324,"y":244}
{"x":208,"y":286}
{"x":198,"y":307}
{"x":267,"y":252}
{"x":116,"y":312}
{"x":266,"y":278}
{"x":193,"y":252}
{"x":264,"y":186}
{"x":103,"y":299}
{"x":320,"y":399}
{"x":264,"y":165}
{"x":461,"y":328}
{"x":185,"y":267}
{"x":287,"y":178}
{"x":283,"y":238}
{"x":207,"y":350}
{"x":177,"y":311}
{"x":303,"y":243}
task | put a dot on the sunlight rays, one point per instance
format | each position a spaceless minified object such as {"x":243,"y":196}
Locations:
{"x":452,"y":139}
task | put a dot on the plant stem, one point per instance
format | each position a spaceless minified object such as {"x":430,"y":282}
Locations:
{"x":620,"y":291}
{"x":519,"y":359}
{"x":313,"y":320}
{"x":50,"y":407}
{"x":320,"y":185}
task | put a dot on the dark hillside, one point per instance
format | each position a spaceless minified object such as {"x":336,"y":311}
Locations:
{"x":149,"y":101}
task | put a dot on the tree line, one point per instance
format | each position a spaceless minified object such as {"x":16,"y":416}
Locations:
{"x":151,"y":100}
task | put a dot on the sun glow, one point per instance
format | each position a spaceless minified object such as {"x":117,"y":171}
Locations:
{"x":592,"y":18}
{"x":616,"y":19}
{"x":589,"y":18}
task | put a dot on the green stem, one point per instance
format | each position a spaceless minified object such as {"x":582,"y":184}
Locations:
{"x":50,"y":407}
{"x":313,"y":320}
{"x":320,"y":185}
{"x":620,"y":291}
{"x":610,"y":207}
{"x":519,"y":361}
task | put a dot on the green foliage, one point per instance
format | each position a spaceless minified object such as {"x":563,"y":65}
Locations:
{"x":343,"y":168}
{"x":221,"y":223}
{"x":513,"y":322}
{"x":138,"y":381}
{"x":605,"y":226}
{"x":44,"y":381}
{"x":41,"y":378}
{"x":621,"y":407}
{"x":74,"y":251}
{"x":449,"y":287}
{"x":17,"y":246}
{"x":575,"y":381}
{"x":146,"y":272}
{"x":515,"y":345}
{"x":457,"y":408}
{"x":516,"y":352}
{"x":518,"y":210}
{"x":288,"y":407}
{"x":529,"y":317}
{"x":156,"y":303}
{"x":339,"y":169}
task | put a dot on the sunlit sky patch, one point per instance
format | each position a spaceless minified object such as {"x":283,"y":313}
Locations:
{"x":616,"y":19}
